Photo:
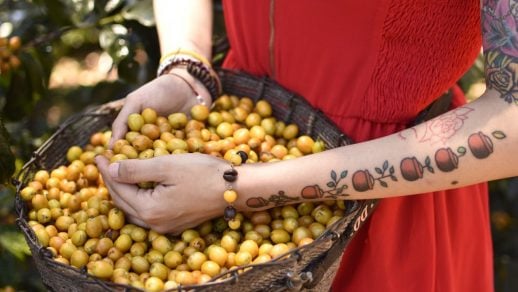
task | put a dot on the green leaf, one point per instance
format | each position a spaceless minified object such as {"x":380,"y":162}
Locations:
{"x":26,"y":88}
{"x":56,"y":11}
{"x":331,"y":184}
{"x":141,"y":11}
{"x":14,"y":242}
{"x":378,"y":170}
{"x":82,"y":12}
{"x":343,"y":174}
{"x":383,"y":184}
{"x":333,"y":175}
{"x":6,"y":156}
{"x":111,"y":5}
{"x":499,"y":135}
{"x":385,"y":164}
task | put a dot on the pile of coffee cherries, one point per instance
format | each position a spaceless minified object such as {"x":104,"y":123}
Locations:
{"x":72,"y":215}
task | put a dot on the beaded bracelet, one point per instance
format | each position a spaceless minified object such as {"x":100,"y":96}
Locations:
{"x":230,"y":195}
{"x":180,"y":51}
{"x":169,"y":63}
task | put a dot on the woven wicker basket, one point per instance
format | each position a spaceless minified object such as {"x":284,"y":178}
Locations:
{"x":309,"y":267}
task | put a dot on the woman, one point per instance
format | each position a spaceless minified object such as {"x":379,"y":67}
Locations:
{"x":371,"y":67}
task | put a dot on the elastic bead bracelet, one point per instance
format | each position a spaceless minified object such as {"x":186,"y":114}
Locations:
{"x":198,"y":97}
{"x":230,"y":195}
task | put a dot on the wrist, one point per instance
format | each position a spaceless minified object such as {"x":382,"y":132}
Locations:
{"x":197,"y":65}
{"x":254,"y":185}
{"x":266,"y":185}
{"x":199,"y":93}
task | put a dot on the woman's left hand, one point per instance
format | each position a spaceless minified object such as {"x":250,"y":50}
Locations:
{"x":189,"y":189}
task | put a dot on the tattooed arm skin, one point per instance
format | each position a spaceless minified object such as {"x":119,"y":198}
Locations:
{"x":471,"y":144}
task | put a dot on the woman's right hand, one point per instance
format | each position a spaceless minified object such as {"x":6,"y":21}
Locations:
{"x":165,"y":94}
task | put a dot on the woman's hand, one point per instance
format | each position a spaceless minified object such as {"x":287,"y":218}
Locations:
{"x":165,"y":94}
{"x":189,"y":189}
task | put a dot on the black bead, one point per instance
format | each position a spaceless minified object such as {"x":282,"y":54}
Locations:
{"x":230,"y":175}
{"x":230,"y":213}
{"x":244,"y":156}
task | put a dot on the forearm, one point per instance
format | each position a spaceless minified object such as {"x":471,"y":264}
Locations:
{"x":184,"y":24}
{"x":435,"y":155}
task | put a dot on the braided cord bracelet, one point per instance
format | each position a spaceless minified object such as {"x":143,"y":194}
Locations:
{"x":196,"y":65}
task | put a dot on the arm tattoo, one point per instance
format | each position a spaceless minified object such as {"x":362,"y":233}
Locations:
{"x":440,"y":129}
{"x":411,"y":168}
{"x":363,"y":180}
{"x":500,"y":41}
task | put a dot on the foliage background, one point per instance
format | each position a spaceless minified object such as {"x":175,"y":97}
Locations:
{"x":79,"y":53}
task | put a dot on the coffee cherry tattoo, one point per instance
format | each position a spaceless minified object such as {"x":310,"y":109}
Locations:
{"x":311,"y":192}
{"x":363,"y":180}
{"x":480,"y":145}
{"x":411,"y":169}
{"x":446,"y":159}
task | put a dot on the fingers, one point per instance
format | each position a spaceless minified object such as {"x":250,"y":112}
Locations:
{"x":119,"y":125}
{"x":137,"y":221}
{"x":134,"y":171}
{"x":126,"y":202}
{"x":123,"y":195}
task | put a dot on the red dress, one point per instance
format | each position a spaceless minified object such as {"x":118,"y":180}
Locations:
{"x":372,"y":66}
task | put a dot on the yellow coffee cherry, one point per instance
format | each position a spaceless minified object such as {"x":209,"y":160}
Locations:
{"x":177,"y":120}
{"x":230,"y":196}
{"x":243,"y":258}
{"x":210,"y":268}
{"x":200,"y":112}
{"x":263,"y":108}
{"x":291,"y":131}
{"x":135,"y":122}
{"x":149,"y":115}
{"x":234,"y":224}
{"x":305,"y":144}
{"x":102,"y":269}
{"x":235,"y":159}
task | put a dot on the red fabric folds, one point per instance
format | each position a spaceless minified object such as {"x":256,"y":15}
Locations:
{"x":372,"y":66}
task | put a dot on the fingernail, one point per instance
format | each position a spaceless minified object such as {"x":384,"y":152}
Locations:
{"x":113,"y":169}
